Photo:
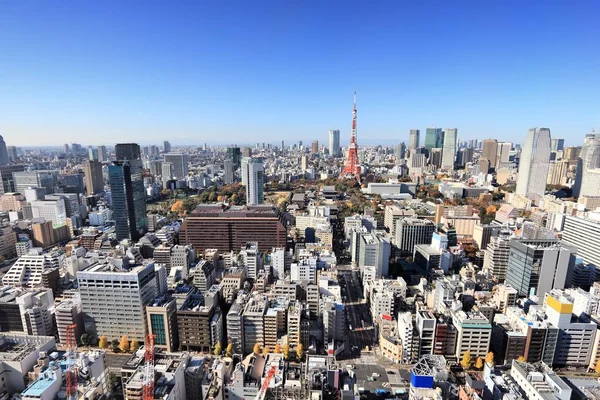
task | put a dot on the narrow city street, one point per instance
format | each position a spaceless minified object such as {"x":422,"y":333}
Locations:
{"x":361,"y":332}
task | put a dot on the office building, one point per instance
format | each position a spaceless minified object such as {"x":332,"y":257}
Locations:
{"x":314,"y":147}
{"x":503,"y":155}
{"x":50,"y":210}
{"x":588,"y":165}
{"x":393,"y":213}
{"x":234,"y":155}
{"x":41,"y":179}
{"x":179,"y":162}
{"x":557,"y":145}
{"x":412,"y":231}
{"x":251,"y":259}
{"x":102,"y":154}
{"x":413,"y":139}
{"x":577,"y":232}
{"x":557,"y":172}
{"x":193,"y":324}
{"x":67,"y":313}
{"x":228,"y":177}
{"x":489,"y":153}
{"x":449,"y":148}
{"x":235,"y":327}
{"x":253,"y":176}
{"x":433,"y":138}
{"x":538,"y":266}
{"x":374,"y":251}
{"x":400,"y":152}
{"x":94,"y":180}
{"x":8,"y":181}
{"x":534,"y":164}
{"x":128,"y":199}
{"x":228,"y":229}
{"x":3,"y":152}
{"x":254,"y":319}
{"x":13,"y":155}
{"x":334,"y":143}
{"x":167,"y":146}
{"x":482,"y":234}
{"x":114,"y":300}
{"x":474,"y":333}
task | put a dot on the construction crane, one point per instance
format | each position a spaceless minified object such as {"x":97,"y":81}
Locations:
{"x":265,"y":386}
{"x":72,"y":373}
{"x":148,"y":383}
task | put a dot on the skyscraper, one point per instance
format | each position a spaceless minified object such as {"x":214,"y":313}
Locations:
{"x":228,"y":172}
{"x":334,"y":143}
{"x":167,"y":146}
{"x":180,"y":164}
{"x":489,"y":154}
{"x":587,"y":169}
{"x":127,"y":192}
{"x":534,"y":163}
{"x":253,"y":171}
{"x":558,"y":145}
{"x":102,"y":154}
{"x":94,"y":181}
{"x":449,"y":148}
{"x":3,"y":152}
{"x":433,"y":138}
{"x":166,"y":173}
{"x":503,"y":153}
{"x":413,"y":139}
{"x":314,"y":147}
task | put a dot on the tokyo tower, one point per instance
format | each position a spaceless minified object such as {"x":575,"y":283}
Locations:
{"x":351,"y":165}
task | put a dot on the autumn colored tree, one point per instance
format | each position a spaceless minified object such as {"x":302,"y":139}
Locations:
{"x":491,"y":209}
{"x":466,"y":360}
{"x":178,"y":207}
{"x":286,"y":351}
{"x":103,"y":342}
{"x":134,"y":345}
{"x":597,"y":368}
{"x":479,"y":363}
{"x":278,"y":348}
{"x":300,"y":351}
{"x":256,"y":348}
{"x":266,"y":350}
{"x":521,"y":359}
{"x":124,"y":343}
{"x":229,"y":351}
{"x":489,"y":358}
{"x":218,"y":348}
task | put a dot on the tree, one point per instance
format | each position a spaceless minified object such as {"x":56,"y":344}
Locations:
{"x":521,"y":359}
{"x":177,"y":207}
{"x":286,"y":351}
{"x":266,"y":350}
{"x":229,"y":351}
{"x":256,"y":348}
{"x":110,"y":380}
{"x":479,"y":363}
{"x":597,"y":368}
{"x":466,"y":360}
{"x":300,"y":351}
{"x":212,"y":197}
{"x":278,"y":348}
{"x":124,"y":343}
{"x":85,"y":339}
{"x":103,"y":342}
{"x":218,"y":348}
{"x":134,"y":345}
{"x":491,"y":209}
{"x":115,"y":344}
{"x":489,"y":358}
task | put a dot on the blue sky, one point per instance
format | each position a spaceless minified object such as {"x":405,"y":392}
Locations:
{"x":240,"y":72}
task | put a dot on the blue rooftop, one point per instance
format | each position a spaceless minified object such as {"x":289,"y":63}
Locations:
{"x":40,"y":385}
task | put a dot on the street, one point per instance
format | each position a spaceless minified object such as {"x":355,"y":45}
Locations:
{"x":361,"y":332}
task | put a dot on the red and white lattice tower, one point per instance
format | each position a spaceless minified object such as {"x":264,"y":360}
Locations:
{"x":351,"y":166}
{"x":72,"y":373}
{"x":149,"y":368}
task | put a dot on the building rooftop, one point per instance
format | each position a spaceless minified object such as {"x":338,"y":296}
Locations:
{"x":218,"y":211}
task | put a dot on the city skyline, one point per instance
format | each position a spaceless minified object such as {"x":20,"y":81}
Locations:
{"x":236,"y":70}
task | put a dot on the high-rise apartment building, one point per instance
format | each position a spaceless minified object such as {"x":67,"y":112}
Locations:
{"x":538,"y":266}
{"x":235,"y":327}
{"x":495,"y":258}
{"x":334,"y":143}
{"x":449,"y":148}
{"x":253,"y":172}
{"x":433,"y":138}
{"x":114,"y":300}
{"x":94,"y":180}
{"x":413,"y":139}
{"x":254,"y":320}
{"x":533,"y":164}
{"x":179,"y":162}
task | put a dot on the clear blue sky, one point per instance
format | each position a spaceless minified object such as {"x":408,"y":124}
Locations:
{"x":222,"y":72}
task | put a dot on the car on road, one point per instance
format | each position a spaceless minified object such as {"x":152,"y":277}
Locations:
{"x":375,"y":375}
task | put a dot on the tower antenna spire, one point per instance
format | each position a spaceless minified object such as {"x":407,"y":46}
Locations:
{"x":351,"y":165}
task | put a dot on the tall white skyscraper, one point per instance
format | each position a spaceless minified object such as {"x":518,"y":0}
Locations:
{"x":534,"y":163}
{"x":588,"y":169}
{"x":253,"y":174}
{"x":334,"y":142}
{"x":449,"y":148}
{"x":413,"y":139}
